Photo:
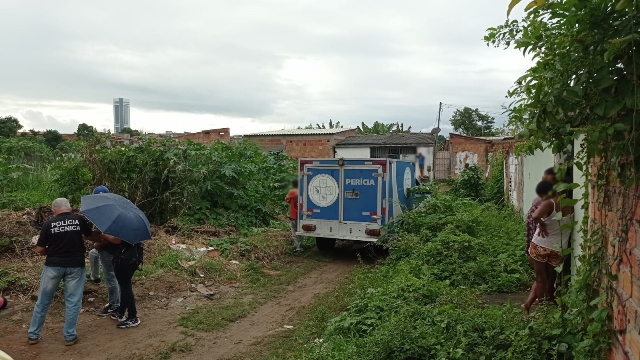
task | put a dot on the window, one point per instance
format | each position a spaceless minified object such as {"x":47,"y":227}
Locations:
{"x":392,"y":152}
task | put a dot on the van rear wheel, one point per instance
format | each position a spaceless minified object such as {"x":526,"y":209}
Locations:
{"x":325,"y":244}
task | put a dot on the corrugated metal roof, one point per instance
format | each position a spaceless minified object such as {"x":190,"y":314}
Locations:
{"x":395,"y":139}
{"x":300,"y":132}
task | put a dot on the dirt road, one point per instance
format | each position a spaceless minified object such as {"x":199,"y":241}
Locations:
{"x":160,"y":308}
{"x":270,"y":317}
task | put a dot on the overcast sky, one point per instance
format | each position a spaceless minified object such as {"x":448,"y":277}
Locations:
{"x":250,"y":65}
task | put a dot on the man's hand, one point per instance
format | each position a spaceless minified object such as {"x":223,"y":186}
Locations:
{"x":97,"y":245}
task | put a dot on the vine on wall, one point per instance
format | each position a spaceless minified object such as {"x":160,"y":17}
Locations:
{"x":584,"y":81}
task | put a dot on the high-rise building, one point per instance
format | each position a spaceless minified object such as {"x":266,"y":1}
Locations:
{"x":120,"y":114}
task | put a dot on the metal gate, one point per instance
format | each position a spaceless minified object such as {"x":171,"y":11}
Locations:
{"x":442,"y":165}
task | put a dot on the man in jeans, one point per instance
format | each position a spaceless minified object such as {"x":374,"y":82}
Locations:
{"x":104,"y":251}
{"x":61,"y":241}
{"x":292,"y":200}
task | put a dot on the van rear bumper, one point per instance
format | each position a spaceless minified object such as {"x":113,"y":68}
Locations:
{"x":339,"y":230}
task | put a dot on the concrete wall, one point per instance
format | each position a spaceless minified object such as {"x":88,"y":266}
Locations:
{"x":514,"y":187}
{"x":353,"y":153}
{"x":532,"y":170}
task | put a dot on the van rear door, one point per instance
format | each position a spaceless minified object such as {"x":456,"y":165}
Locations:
{"x":362,"y":193}
{"x":322,"y":200}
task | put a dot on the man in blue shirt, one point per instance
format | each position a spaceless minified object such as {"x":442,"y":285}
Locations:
{"x":102,"y":253}
{"x":421,"y":164}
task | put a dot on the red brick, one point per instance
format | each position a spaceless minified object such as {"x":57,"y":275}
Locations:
{"x":633,"y":344}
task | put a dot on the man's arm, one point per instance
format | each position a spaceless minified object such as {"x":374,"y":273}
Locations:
{"x":111,"y":239}
{"x":43,"y":240}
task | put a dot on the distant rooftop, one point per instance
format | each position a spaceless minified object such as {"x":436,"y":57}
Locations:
{"x":394,"y":139}
{"x":300,"y":132}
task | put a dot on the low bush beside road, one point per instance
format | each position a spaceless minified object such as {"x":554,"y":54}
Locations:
{"x":425,"y":301}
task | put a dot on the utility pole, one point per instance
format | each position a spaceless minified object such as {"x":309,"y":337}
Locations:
{"x":435,"y":133}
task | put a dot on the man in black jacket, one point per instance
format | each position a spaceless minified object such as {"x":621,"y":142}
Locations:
{"x":61,"y":241}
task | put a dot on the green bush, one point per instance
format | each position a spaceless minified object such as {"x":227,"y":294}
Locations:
{"x":424,"y":301}
{"x":494,"y":186}
{"x":470,"y":184}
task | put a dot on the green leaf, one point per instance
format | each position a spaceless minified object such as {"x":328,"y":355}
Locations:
{"x":599,"y":108}
{"x":614,"y":106}
{"x":512,"y":4}
{"x":619,"y":127}
{"x":533,"y":4}
{"x":623,"y":4}
{"x":569,"y":202}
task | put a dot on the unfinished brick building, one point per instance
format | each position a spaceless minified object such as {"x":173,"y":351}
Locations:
{"x":207,"y":136}
{"x":302,"y":143}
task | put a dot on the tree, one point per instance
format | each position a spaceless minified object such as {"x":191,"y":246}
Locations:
{"x":332,"y":125}
{"x":472,"y":122}
{"x":378,"y":128}
{"x":52,"y":138}
{"x":130,"y":131}
{"x":441,"y":142}
{"x":85,"y":131}
{"x":9,"y":126}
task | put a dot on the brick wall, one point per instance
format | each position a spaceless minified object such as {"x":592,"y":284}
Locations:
{"x":302,"y":146}
{"x":207,"y":136}
{"x":623,"y":258}
{"x":467,"y":151}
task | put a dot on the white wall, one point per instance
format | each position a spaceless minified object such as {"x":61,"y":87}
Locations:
{"x":353,"y":153}
{"x":514,"y":163}
{"x":365,"y":153}
{"x":532,"y":171}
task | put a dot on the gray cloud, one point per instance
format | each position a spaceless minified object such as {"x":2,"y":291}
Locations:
{"x":39,"y":121}
{"x":380,"y":60}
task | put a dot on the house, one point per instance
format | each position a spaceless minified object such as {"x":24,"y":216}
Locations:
{"x":301,"y":143}
{"x":403,"y":146}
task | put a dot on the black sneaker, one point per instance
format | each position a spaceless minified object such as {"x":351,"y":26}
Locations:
{"x":107,"y":310}
{"x":128,"y":323}
{"x":34,"y":341}
{"x":116,"y":316}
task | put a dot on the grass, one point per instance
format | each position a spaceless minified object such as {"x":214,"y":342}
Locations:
{"x":13,"y":278}
{"x":181,"y":346}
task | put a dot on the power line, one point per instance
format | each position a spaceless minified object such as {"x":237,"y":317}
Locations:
{"x":494,"y":112}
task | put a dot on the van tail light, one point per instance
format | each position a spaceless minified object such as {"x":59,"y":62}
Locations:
{"x":381,"y":163}
{"x":308,"y":227}
{"x":303,"y":163}
{"x":372,"y":232}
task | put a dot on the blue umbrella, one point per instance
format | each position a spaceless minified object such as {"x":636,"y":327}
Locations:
{"x":116,"y":216}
